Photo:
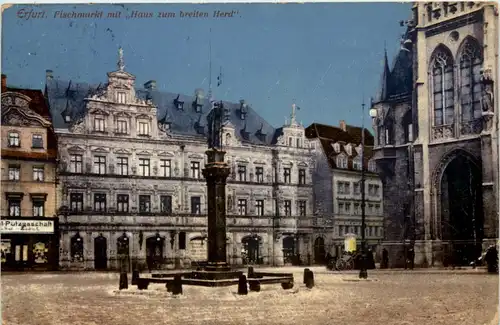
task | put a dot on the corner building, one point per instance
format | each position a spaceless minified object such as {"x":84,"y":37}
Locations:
{"x":131,"y":165}
{"x":436,"y":124}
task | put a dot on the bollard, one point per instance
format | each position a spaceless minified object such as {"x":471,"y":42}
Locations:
{"x":135,"y":276}
{"x":177,"y":285}
{"x":309,"y":279}
{"x":251,"y":272}
{"x":123,"y":280}
{"x":242,"y":285}
{"x":305,"y":275}
{"x":254,"y":286}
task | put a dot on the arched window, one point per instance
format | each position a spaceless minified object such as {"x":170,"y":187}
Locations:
{"x":470,"y":87}
{"x":442,"y":87}
{"x":77,"y":248}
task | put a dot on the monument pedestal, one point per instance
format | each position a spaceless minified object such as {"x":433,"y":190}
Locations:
{"x":217,"y":272}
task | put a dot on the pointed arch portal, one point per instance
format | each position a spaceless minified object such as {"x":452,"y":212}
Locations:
{"x":459,"y":207}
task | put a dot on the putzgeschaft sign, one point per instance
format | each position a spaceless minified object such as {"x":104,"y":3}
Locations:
{"x":26,"y":226}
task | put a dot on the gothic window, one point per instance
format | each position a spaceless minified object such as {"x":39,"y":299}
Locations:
{"x":341,"y":162}
{"x":380,"y":135}
{"x":442,"y":87}
{"x":14,"y":139}
{"x":389,"y":132}
{"x":470,"y":87}
{"x":77,"y":248}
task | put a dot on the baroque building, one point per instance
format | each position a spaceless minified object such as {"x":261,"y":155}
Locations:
{"x":436,"y":137}
{"x":29,"y":226}
{"x":131,"y":165}
{"x":337,"y":187}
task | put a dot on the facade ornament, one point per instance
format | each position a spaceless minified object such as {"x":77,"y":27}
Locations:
{"x":121,"y":63}
{"x":487,"y":99}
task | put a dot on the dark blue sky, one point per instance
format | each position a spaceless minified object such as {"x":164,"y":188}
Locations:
{"x":321,"y":56}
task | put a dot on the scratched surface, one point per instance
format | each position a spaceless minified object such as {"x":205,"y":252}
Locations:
{"x":393,"y":298}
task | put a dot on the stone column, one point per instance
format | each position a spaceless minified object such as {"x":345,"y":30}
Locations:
{"x":216,"y":172}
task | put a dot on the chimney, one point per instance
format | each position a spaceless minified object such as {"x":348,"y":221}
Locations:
{"x":342,"y":125}
{"x":150,"y":85}
{"x":4,"y":82}
{"x":49,"y":74}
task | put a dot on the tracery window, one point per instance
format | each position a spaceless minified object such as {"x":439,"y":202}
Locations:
{"x":470,"y":87}
{"x":442,"y":87}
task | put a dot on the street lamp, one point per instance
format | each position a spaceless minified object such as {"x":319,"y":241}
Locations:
{"x":363,"y":273}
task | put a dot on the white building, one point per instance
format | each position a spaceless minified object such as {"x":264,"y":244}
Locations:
{"x":130,"y":172}
{"x":337,"y":187}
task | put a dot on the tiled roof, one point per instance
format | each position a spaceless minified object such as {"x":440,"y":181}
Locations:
{"x":63,"y":95}
{"x":329,"y":135}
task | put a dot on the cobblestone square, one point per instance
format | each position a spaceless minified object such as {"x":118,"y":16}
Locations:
{"x":392,"y":297}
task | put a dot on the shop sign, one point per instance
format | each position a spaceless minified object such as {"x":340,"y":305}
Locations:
{"x":27,"y":226}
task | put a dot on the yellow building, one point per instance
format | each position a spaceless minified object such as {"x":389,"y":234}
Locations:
{"x":29,"y":226}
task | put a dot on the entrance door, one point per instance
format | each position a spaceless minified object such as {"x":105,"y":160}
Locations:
{"x":251,"y":248}
{"x":100,"y":253}
{"x":288,"y":250}
{"x":319,"y":251}
{"x":21,"y":258}
{"x":154,"y":252}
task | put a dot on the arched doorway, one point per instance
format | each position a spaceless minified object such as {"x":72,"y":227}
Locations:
{"x":251,"y":249}
{"x":289,"y":250}
{"x":100,"y":253}
{"x":461,"y":222}
{"x":319,"y":251}
{"x":154,"y":252}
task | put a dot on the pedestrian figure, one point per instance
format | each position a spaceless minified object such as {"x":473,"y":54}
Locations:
{"x":492,"y":259}
{"x":385,"y":259}
{"x":370,"y":260}
{"x":411,"y":258}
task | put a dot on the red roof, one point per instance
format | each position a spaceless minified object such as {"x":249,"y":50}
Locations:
{"x":329,"y":135}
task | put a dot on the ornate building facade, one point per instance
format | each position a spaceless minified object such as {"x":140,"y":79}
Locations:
{"x":437,"y":136}
{"x":337,"y":187}
{"x":131,"y":165}
{"x":29,"y":226}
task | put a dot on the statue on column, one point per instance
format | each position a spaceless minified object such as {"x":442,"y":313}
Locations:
{"x":215,"y":119}
{"x":487,"y":99}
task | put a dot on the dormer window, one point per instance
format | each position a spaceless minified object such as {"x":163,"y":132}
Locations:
{"x":99,"y":123}
{"x":243,"y":109}
{"x":197,"y":105}
{"x":341,"y":162}
{"x":178,"y":104}
{"x":121,"y":97}
{"x":348,"y":149}
{"x":143,"y":128}
{"x":336,"y":147}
